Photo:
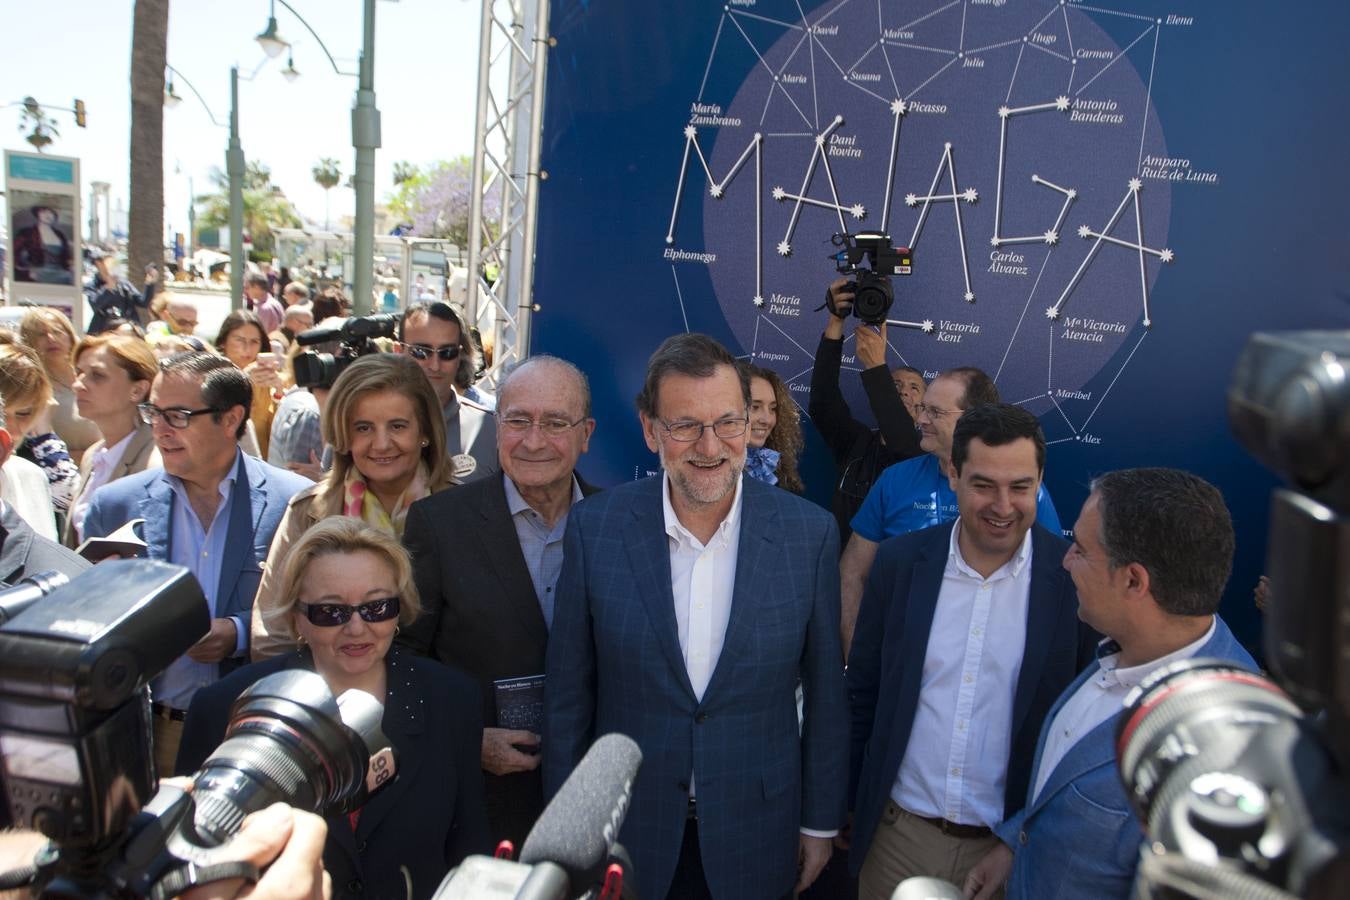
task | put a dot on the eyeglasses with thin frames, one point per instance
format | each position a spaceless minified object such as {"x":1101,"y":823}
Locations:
{"x":328,"y":615}
{"x":688,"y":432}
{"x":422,"y":352}
{"x":933,"y":412}
{"x":520,"y":425}
{"x":177,"y":418}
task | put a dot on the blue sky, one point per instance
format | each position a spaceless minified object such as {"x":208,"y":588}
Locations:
{"x":426,"y":60}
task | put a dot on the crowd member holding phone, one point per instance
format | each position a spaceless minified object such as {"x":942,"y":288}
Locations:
{"x":244,"y":342}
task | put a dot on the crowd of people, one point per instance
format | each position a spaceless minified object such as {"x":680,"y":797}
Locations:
{"x":921,"y":681}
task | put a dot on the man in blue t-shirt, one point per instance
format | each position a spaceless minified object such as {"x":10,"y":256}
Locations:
{"x":917,"y":493}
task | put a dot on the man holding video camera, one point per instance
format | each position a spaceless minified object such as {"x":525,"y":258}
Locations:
{"x":861,"y":452}
{"x":1152,"y":551}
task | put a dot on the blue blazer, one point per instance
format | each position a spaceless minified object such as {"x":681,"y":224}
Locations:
{"x":614,"y":665}
{"x":420,"y":825}
{"x":885,"y":664}
{"x":1079,"y":837}
{"x":261,"y":493}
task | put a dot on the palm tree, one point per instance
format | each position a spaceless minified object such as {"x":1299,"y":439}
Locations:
{"x":44,"y":127}
{"x":265,"y":206}
{"x":404,"y":171}
{"x":327,"y":173}
{"x":149,"y":52}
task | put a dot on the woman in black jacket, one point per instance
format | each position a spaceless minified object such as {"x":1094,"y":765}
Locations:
{"x":351,"y":586}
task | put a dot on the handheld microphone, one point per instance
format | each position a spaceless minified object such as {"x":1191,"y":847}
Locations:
{"x":577,"y":830}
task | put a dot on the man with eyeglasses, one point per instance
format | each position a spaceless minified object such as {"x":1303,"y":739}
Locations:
{"x":689,"y":607}
{"x":211,"y":508}
{"x":486,"y":558}
{"x":432,"y":334}
{"x":917,"y":493}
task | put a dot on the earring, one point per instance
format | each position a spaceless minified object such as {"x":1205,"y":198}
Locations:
{"x":397,"y":629}
{"x":300,"y":641}
{"x":426,"y":443}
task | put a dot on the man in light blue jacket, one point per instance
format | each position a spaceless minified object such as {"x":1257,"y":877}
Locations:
{"x":1153,"y":550}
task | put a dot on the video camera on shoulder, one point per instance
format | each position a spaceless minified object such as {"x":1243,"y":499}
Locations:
{"x":872,"y":290}
{"x":355,"y":338}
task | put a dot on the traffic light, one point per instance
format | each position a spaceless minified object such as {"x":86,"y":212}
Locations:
{"x":79,"y":112}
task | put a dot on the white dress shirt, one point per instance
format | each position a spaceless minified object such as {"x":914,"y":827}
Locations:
{"x":703,"y":579}
{"x":23,"y":487}
{"x":1098,"y":699}
{"x":956,"y":762}
{"x":105,"y":460}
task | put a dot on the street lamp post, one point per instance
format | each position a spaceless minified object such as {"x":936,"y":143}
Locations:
{"x":234,"y":169}
{"x":365,"y":140}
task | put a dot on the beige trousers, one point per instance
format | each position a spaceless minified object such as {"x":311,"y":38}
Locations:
{"x":905,"y":846}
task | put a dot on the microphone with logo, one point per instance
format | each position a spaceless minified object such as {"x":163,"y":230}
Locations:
{"x":571,"y":852}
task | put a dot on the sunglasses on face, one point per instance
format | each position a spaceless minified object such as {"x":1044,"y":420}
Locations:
{"x":326,"y":615}
{"x":423,"y":352}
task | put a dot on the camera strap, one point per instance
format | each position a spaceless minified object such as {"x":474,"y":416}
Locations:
{"x":191,"y":875}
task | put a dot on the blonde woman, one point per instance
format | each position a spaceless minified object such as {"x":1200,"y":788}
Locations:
{"x":28,"y":396}
{"x":388,"y":438}
{"x":112,"y":377}
{"x":347,"y":588}
{"x":48,"y":331}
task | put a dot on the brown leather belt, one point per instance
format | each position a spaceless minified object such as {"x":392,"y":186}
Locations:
{"x":946,"y":826}
{"x":955,"y":829}
{"x":160,"y":711}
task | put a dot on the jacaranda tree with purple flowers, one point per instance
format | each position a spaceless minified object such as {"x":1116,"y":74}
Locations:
{"x":435,"y":202}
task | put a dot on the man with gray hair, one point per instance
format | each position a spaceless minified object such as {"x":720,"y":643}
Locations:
{"x":486,"y":557}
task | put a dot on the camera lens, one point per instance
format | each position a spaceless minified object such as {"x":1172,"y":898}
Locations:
{"x":1187,"y":719}
{"x":290,"y":740}
{"x":873,"y":298}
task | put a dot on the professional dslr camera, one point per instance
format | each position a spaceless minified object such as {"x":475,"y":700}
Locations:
{"x":355,"y":338}
{"x":1242,"y":792}
{"x":75,"y":734}
{"x":872,"y":291}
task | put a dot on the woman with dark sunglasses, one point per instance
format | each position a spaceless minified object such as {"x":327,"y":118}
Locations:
{"x":349,"y":588}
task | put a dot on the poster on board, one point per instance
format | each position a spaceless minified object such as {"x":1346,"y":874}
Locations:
{"x":42,"y":213}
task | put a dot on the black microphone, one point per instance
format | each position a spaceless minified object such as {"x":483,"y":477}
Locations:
{"x":578,"y":828}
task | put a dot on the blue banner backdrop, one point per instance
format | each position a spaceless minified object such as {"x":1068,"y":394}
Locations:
{"x":1103,"y":202}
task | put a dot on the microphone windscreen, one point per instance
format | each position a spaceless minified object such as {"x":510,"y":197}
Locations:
{"x":578,"y":828}
{"x":927,"y":889}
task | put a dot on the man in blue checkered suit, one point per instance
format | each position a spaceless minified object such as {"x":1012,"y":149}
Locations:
{"x":689,"y":608}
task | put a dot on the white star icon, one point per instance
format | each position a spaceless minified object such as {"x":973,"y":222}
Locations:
{"x":857,"y":211}
{"x":1084,"y":231}
{"x":779,"y":193}
{"x":898,"y":107}
{"x":1166,"y":255}
{"x":1051,"y":313}
{"x":1051,"y":237}
{"x":715,"y":190}
{"x":927,"y":326}
{"x":970,"y":297}
{"x":784,"y":248}
{"x":1135,"y":184}
{"x":970,"y":195}
{"x":690,"y":131}
{"x":1061,"y":103}
{"x":759,"y":301}
{"x":911,"y":200}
